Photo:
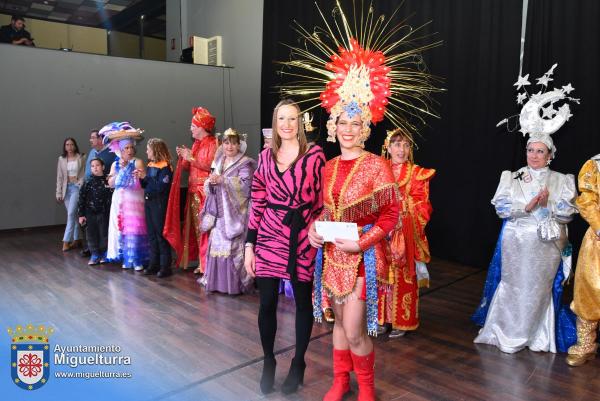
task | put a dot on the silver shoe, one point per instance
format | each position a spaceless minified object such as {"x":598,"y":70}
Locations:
{"x":395,"y":333}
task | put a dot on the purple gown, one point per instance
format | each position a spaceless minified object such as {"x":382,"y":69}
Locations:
{"x":225,"y":271}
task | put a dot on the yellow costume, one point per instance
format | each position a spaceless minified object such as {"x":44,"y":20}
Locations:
{"x":586,"y":299}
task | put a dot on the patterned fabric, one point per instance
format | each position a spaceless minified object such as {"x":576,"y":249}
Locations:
{"x":586,"y":296}
{"x":565,"y":334}
{"x":360,"y":191}
{"x":400,"y":307}
{"x":274,"y":195}
{"x":320,"y":299}
{"x":525,"y":309}
{"x":318,"y":287}
{"x":187,"y":242}
{"x":127,"y":232}
{"x":203,"y":118}
{"x":371,"y":290}
{"x":225,"y":256}
{"x":94,"y":196}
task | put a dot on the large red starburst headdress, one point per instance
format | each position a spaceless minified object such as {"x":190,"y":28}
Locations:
{"x":361,"y":76}
{"x":370,"y":67}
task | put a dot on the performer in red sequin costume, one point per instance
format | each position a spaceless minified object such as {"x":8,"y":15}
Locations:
{"x":189,"y":243}
{"x":409,"y":244}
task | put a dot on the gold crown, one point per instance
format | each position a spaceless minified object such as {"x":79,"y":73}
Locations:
{"x":232,"y":132}
{"x":29,"y":333}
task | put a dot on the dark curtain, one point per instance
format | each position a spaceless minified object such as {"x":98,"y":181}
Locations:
{"x":568,"y":33}
{"x":479,"y":61}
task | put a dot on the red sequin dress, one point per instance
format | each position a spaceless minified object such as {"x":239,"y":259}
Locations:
{"x":362,"y":191}
{"x":408,"y":245}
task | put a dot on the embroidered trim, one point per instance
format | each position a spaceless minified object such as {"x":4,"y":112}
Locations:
{"x":366,"y":238}
{"x":236,"y":184}
{"x":425,"y":173}
{"x":335,"y":205}
{"x":370,"y":282}
{"x":348,"y":266}
{"x":220,"y":254}
{"x":406,"y":179}
{"x":318,"y":289}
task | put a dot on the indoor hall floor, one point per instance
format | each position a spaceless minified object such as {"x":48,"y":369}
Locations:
{"x":186,"y":344}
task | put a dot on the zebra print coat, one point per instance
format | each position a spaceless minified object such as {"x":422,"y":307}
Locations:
{"x":278,"y":200}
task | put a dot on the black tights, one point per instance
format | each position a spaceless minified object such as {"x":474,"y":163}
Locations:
{"x":267,"y":315}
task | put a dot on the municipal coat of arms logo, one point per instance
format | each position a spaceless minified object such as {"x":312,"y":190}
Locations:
{"x":30,"y":355}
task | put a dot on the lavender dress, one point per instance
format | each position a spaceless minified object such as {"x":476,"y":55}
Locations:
{"x":225,"y":271}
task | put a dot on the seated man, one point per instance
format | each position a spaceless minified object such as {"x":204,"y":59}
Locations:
{"x":15,"y":33}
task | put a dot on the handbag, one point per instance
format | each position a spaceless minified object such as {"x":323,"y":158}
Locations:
{"x":548,"y":229}
{"x":209,"y":213}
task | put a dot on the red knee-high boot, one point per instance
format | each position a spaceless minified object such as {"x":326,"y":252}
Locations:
{"x":342,"y":366}
{"x":364,"y":368}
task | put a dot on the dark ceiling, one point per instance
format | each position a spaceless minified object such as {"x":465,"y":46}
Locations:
{"x":118,"y":15}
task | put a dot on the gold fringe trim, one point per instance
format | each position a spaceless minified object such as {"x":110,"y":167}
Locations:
{"x":340,"y":300}
{"x":369,"y":204}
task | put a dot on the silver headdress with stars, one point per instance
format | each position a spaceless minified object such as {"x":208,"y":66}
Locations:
{"x":541,"y":126}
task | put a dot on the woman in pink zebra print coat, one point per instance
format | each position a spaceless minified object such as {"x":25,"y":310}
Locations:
{"x":286,"y":199}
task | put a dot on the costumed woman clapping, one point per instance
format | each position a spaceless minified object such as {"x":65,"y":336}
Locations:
{"x":521,"y":307}
{"x":225,"y":214}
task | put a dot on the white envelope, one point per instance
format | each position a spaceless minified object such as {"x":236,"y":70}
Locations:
{"x":330,"y":230}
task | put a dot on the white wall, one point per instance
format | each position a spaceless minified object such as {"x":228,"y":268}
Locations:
{"x":55,"y":94}
{"x":239,"y":22}
{"x":49,"y":95}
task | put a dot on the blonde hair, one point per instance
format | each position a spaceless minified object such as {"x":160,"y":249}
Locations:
{"x":160,"y":150}
{"x":276,"y":141}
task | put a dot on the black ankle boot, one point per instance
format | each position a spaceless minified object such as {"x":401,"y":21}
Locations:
{"x":294,"y":378}
{"x":268,"y":375}
{"x":164,"y":272}
{"x":151,"y":270}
